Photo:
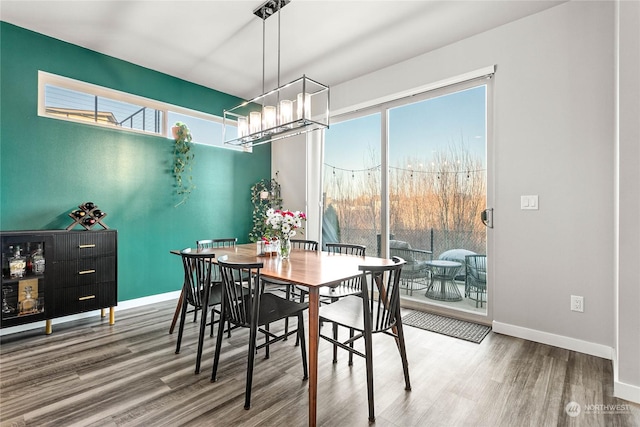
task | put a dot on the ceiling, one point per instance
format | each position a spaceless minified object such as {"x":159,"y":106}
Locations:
{"x":219,"y":44}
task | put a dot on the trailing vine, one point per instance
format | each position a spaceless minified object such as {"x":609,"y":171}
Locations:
{"x":270,"y":189}
{"x":182,"y":161}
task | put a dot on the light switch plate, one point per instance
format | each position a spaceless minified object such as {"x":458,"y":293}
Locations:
{"x":529,"y":202}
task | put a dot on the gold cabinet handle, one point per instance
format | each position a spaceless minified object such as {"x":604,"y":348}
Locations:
{"x":86,"y":298}
{"x":87,"y":246}
{"x":86,"y":272}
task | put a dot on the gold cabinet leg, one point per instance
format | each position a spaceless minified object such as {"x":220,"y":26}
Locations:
{"x":47,"y":327}
{"x":102,"y":312}
{"x":112,"y":315}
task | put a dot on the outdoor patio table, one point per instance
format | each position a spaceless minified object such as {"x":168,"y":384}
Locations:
{"x":443,"y":273}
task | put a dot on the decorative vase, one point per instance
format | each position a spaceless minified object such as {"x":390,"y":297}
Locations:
{"x":285,"y":248}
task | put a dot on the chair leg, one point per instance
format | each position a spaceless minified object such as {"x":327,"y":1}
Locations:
{"x":302,"y":301}
{"x":303,"y":346}
{"x":253,"y":336}
{"x":183,"y":314}
{"x":335,"y":347}
{"x":286,"y":320}
{"x":403,"y":352}
{"x":369,"y":361}
{"x":266,"y":340}
{"x":203,"y":326}
{"x":351,"y":334}
{"x":176,"y":314}
{"x":216,"y":354}
{"x":213,"y":318}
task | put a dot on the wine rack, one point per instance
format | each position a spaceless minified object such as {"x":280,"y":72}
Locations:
{"x":88,"y":216}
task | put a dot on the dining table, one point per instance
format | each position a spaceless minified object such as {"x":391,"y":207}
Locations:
{"x":311,"y":269}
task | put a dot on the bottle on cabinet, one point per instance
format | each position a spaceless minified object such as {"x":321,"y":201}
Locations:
{"x":37,"y":260}
{"x":17,"y":264}
{"x":28,"y":304}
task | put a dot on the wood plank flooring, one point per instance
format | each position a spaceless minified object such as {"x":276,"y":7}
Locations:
{"x":88,"y":373}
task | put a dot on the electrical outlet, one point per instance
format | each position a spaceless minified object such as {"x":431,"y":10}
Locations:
{"x":577,"y":303}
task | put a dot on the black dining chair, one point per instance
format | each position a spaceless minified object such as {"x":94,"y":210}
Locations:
{"x":348,"y":287}
{"x":249,"y":306}
{"x":353,"y":286}
{"x":226,"y":242}
{"x":198,"y":273}
{"x":216,"y":280}
{"x":275,"y":285}
{"x":376,"y":310}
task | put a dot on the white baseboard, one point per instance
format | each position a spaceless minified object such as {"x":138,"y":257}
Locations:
{"x":626,"y":391}
{"x":568,"y":343}
{"x":622,"y":390}
{"x":122,"y":305}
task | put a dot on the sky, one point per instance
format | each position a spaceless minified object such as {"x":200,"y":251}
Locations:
{"x":416,"y":130}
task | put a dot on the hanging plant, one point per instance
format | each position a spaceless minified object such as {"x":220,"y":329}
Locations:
{"x":183,"y":159}
{"x":265,"y":194}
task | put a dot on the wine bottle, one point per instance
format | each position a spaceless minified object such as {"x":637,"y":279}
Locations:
{"x":98,"y":213}
{"x":17,"y":264}
{"x":78,"y":213}
{"x":89,"y":205}
{"x":38,"y":260}
{"x":88,"y":221}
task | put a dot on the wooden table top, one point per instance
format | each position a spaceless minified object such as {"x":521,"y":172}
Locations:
{"x":306,"y":268}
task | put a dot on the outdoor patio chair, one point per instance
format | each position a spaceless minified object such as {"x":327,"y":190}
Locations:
{"x":476,"y":278}
{"x":415,"y":273}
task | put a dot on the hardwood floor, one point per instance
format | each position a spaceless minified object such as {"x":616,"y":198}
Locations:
{"x":88,"y":373}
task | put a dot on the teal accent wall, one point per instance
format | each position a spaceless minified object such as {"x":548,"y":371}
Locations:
{"x":49,"y":166}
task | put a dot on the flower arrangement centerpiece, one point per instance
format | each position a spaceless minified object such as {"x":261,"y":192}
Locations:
{"x":282,"y":225}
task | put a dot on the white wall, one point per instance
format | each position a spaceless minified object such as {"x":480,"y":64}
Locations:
{"x":554,"y":136}
{"x":628,"y":295}
{"x":554,"y":130}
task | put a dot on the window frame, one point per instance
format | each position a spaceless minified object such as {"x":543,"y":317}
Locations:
{"x":382,"y":106}
{"x":45,"y":78}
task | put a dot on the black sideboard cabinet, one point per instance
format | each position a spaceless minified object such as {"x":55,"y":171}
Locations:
{"x":80,"y":274}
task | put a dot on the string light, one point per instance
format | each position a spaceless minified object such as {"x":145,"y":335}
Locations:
{"x":409,"y":169}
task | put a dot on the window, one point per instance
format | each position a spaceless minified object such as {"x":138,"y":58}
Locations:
{"x":414,"y":170}
{"x":67,"y":99}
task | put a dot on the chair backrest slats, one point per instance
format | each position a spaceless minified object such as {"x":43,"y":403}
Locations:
{"x":309,"y":245}
{"x":382,"y":293}
{"x":241,"y":291}
{"x":346,"y":248}
{"x":226,"y":242}
{"x":476,"y":267}
{"x":198,"y":271}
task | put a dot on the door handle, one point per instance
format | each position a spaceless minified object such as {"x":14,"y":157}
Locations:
{"x":487,"y":217}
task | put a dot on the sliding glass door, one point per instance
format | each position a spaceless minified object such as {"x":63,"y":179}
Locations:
{"x":437,"y":190}
{"x":416,"y":169}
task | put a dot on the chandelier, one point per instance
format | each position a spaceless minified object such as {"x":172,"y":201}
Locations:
{"x":297,"y":107}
